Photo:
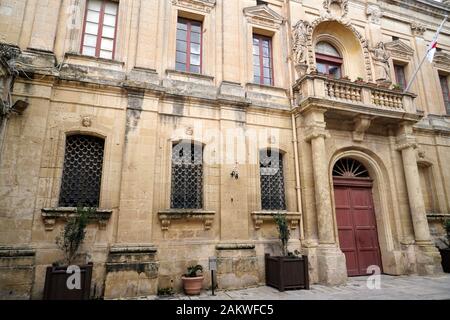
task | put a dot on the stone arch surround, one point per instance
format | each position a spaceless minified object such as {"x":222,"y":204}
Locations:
{"x":391,"y":258}
{"x":347,"y":24}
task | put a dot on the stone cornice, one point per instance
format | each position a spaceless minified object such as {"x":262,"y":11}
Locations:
{"x":260,"y":216}
{"x":51,"y":215}
{"x":431,"y":8}
{"x":201,"y":5}
{"x":263,"y":16}
{"x":442,"y":60}
{"x":166,"y":216}
{"x":399,"y":49}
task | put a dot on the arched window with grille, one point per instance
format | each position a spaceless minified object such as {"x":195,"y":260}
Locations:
{"x":187,"y":176}
{"x":272,"y":180}
{"x":82,"y":171}
{"x":328,"y":59}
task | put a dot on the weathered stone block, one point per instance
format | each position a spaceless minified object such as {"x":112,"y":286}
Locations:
{"x":16,"y":273}
{"x":237,"y":266}
{"x":131,"y":271}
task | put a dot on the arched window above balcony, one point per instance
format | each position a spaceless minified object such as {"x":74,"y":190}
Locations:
{"x":328,"y":59}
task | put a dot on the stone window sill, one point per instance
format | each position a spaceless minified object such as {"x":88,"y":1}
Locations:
{"x":50,"y":215}
{"x":260,"y":216}
{"x":205,"y":216}
{"x":268,"y":89}
{"x":76,"y":58}
{"x":190,"y":77}
{"x":438,"y":216}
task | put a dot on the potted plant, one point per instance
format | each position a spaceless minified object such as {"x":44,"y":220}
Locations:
{"x":397,"y":87}
{"x":289,"y":271}
{"x":65,"y":280}
{"x":445,"y":253}
{"x":359,"y":80}
{"x":193,"y":280}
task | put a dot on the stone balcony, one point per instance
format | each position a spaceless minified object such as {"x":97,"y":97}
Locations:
{"x":346,"y":99}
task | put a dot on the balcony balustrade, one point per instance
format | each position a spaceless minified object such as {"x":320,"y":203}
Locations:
{"x":354,"y":98}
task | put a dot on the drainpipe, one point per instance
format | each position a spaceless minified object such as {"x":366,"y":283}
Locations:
{"x":294,"y":128}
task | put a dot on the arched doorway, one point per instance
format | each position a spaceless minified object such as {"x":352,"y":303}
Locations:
{"x":355,"y":216}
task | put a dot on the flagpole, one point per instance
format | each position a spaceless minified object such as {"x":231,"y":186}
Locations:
{"x":415,"y":73}
{"x":425,"y":56}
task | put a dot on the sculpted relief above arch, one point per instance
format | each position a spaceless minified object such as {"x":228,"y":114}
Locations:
{"x":341,"y":4}
{"x":303,"y":45}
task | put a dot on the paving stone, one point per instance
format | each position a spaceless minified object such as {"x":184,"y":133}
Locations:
{"x":392,"y":288}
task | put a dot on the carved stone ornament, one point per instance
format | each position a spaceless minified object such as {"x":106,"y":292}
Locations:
{"x":189,"y":131}
{"x":442,"y":60}
{"x":343,"y":5}
{"x":374,"y":13}
{"x":200,"y":5}
{"x":399,"y":49}
{"x":272,"y":140}
{"x":310,"y":57}
{"x":263,"y":16}
{"x":8,"y":55}
{"x":380,"y":58}
{"x":86,"y":122}
{"x":418,"y":29}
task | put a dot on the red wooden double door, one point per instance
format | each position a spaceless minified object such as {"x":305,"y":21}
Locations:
{"x":356,"y":224}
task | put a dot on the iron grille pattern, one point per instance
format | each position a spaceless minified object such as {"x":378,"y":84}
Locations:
{"x":82,"y":172}
{"x":350,"y":168}
{"x":187,"y":176}
{"x":272,"y":180}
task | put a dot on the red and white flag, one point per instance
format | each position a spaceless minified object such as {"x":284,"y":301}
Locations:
{"x":432,"y":48}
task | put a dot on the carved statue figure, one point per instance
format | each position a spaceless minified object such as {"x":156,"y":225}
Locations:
{"x":299,"y":42}
{"x":381,"y":61}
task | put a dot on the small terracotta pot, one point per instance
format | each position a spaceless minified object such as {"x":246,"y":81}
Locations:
{"x":192,"y":285}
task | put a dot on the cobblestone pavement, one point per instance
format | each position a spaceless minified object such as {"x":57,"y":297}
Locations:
{"x":392,"y":288}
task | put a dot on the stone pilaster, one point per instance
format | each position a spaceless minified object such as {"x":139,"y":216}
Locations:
{"x":428,"y":258}
{"x":45,"y":25}
{"x":332,"y":269}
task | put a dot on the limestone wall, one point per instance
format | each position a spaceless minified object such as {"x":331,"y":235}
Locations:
{"x":140,"y":106}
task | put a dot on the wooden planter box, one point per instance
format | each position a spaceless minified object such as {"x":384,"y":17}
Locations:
{"x":287,"y":273}
{"x":56,"y":284}
{"x":445,"y":255}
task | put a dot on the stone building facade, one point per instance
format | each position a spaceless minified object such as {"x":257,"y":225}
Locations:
{"x":98,"y":96}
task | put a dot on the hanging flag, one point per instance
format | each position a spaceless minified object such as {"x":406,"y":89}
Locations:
{"x":431,"y":51}
{"x":432,"y":48}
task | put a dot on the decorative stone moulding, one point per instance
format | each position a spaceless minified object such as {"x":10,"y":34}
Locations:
{"x":374,"y":13}
{"x":438,"y":216}
{"x":260,"y":216}
{"x":343,"y":5}
{"x":263,"y":16}
{"x":303,"y":48}
{"x":405,"y":142}
{"x":442,"y":60}
{"x":399,"y":49}
{"x":51,"y":215}
{"x":235,"y":246}
{"x":418,"y":29}
{"x":200,"y":5}
{"x":360,"y":126}
{"x":166,"y":216}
